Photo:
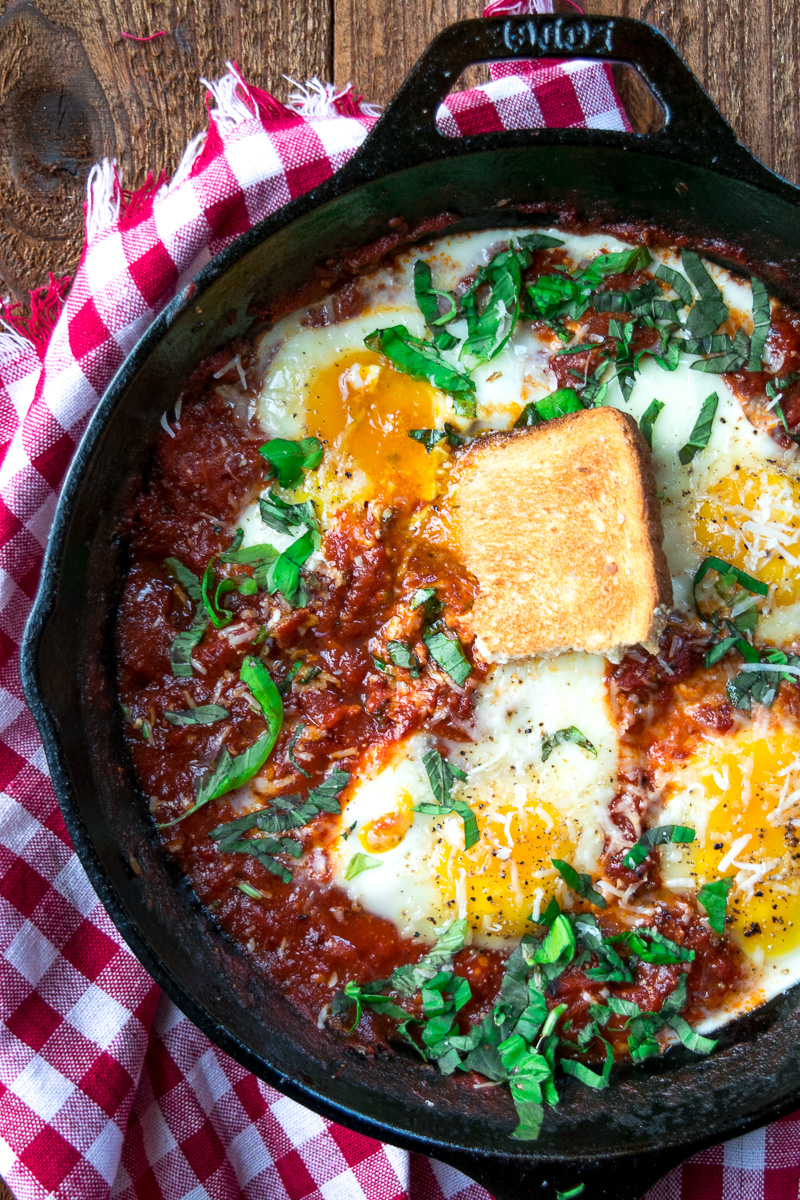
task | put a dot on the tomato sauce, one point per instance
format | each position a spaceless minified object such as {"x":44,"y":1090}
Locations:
{"x":306,"y":935}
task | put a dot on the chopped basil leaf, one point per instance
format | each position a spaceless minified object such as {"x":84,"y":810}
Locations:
{"x":238,"y":538}
{"x":558,"y":945}
{"x":729,"y":577}
{"x":298,"y":673}
{"x":677,"y":282}
{"x":719,"y":650}
{"x":714,"y":899}
{"x":409,"y":978}
{"x":203,"y":714}
{"x":427,"y":437}
{"x":251,"y":556}
{"x":423,"y":360}
{"x":716,"y":343}
{"x":289,"y":460}
{"x":733,"y":359}
{"x":690,"y":1038}
{"x":582,"y":884}
{"x":442,"y":777}
{"x":448,"y":653}
{"x":648,"y":420}
{"x":228,"y":772}
{"x":287,"y":812}
{"x":587,"y":1076}
{"x":426,"y":597}
{"x":183,"y":644}
{"x":219,"y":617}
{"x":776,"y":386}
{"x":621,"y":262}
{"x":528,"y":417}
{"x":698,"y":438}
{"x":361,"y":862}
{"x":283,"y":517}
{"x":290,"y":750}
{"x":779,"y":407}
{"x":710,"y":310}
{"x":539,"y":241}
{"x":250,"y":891}
{"x":652,"y":947}
{"x":490,"y":327}
{"x":556,"y":295}
{"x":580,"y":349}
{"x":558,"y":404}
{"x":761,"y":315}
{"x":561,"y":736}
{"x":186,"y":578}
{"x":401,"y":656}
{"x":427,"y":298}
{"x":284,"y":574}
{"x":659,"y":835}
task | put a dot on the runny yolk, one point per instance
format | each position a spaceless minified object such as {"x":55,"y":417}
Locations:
{"x":508,"y":873}
{"x":750,"y":783}
{"x":753,"y":522}
{"x":387,"y":831}
{"x":362,"y":410}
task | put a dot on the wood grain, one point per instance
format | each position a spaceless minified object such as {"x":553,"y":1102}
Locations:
{"x":747,"y":57}
{"x":72,"y":89}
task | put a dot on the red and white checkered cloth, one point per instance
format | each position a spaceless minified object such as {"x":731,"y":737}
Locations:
{"x":106,"y":1089}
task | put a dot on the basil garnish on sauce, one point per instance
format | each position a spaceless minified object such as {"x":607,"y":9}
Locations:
{"x":231,"y":772}
{"x":183,"y":644}
{"x":202,"y":714}
{"x":449,"y":654}
{"x":285,"y":813}
{"x":580,"y":883}
{"x":734,"y":356}
{"x":659,"y":835}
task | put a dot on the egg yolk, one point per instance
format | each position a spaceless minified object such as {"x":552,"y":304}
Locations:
{"x":507,"y":874}
{"x":363,"y":410}
{"x":751,"y":782}
{"x":387,"y":831}
{"x":753,"y":522}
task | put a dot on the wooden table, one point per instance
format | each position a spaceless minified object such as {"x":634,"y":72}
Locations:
{"x":72,"y":89}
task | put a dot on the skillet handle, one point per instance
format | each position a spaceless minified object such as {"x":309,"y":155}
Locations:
{"x":693,"y":129}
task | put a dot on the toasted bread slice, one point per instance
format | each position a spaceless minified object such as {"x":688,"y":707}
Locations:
{"x":561,"y":527}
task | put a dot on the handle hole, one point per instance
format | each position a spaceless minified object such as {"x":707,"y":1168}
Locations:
{"x":645,"y":113}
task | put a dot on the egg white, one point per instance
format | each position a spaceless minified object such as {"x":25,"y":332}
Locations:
{"x":562,"y":805}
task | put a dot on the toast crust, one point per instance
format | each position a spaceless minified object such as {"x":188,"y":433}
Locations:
{"x":561,"y":526}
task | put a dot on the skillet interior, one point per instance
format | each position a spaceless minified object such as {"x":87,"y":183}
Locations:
{"x":69,"y":669}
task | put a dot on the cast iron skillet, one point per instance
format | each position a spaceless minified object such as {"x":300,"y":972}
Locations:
{"x":691,"y":178}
